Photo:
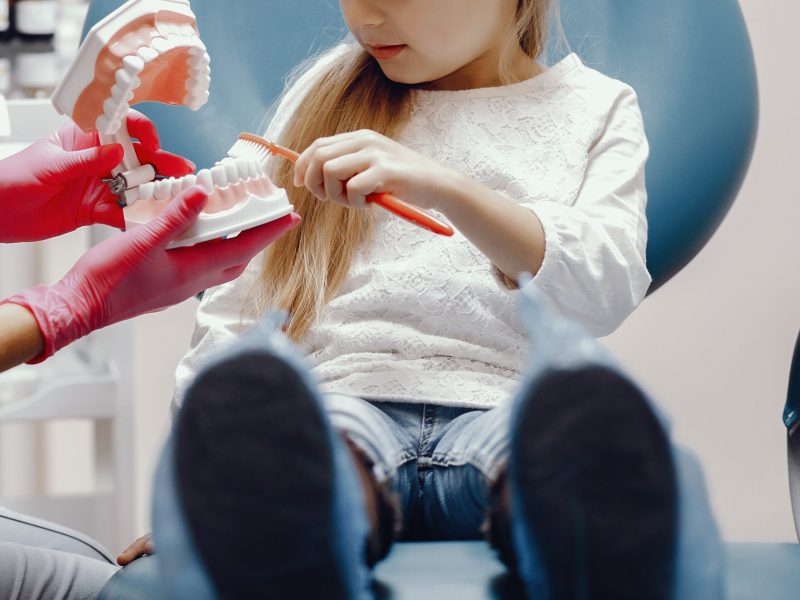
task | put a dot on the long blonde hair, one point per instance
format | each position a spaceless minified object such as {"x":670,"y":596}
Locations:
{"x":304,"y":269}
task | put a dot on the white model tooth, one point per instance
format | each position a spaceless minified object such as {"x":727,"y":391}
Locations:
{"x":120,"y":95}
{"x":176,"y":41}
{"x":231,"y":172}
{"x":205,"y":180}
{"x":102,"y":123}
{"x":133,"y":64}
{"x":189,"y":181}
{"x":122,"y":110}
{"x":198,"y":62}
{"x":159,"y":44}
{"x":125,"y":80}
{"x":195,"y":93}
{"x":199,"y":92}
{"x":200,"y":95}
{"x":241,"y":166}
{"x":176,"y":186}
{"x":198,"y":83}
{"x":146,"y":190}
{"x":165,"y":27}
{"x":252,"y":169}
{"x":110,"y":107}
{"x":163,"y":189}
{"x":202,"y":73}
{"x":220,"y":178}
{"x":147,"y":54}
{"x":198,"y":48}
{"x":195,"y":50}
{"x":197,"y":102}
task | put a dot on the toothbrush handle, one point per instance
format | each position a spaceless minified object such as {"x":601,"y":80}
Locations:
{"x":411,"y":213}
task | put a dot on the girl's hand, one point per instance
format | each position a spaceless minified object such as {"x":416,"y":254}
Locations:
{"x":348,"y":167}
{"x":139,"y":548}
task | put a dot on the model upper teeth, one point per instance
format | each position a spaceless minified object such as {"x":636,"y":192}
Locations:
{"x":147,"y":54}
{"x":133,"y":64}
{"x":128,"y":77}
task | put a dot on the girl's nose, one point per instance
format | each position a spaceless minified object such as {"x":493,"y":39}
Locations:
{"x":363,"y":14}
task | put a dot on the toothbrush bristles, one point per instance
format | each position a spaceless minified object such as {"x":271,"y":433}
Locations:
{"x":261,"y":146}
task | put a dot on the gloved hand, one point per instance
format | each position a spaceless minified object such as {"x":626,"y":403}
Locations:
{"x":54,"y":186}
{"x":133,"y":273}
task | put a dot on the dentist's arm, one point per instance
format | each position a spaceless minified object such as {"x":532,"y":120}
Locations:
{"x":54,"y":185}
{"x":20,"y":338}
{"x":125,"y":276}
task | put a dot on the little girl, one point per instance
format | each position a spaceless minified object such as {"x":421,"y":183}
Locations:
{"x":414,"y":340}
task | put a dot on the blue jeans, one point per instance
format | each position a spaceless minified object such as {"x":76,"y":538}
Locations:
{"x":441,"y":461}
{"x":438,"y":460}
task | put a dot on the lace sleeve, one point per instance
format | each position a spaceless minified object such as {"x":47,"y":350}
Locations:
{"x":594,"y":267}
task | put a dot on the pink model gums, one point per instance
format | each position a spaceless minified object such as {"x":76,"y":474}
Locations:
{"x":150,"y":50}
{"x":145,"y":50}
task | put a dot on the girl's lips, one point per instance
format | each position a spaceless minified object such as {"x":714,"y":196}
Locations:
{"x":385,"y":52}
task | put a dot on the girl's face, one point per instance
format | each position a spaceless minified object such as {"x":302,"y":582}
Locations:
{"x":447,"y":44}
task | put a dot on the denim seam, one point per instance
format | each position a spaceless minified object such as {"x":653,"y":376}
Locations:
{"x":427,"y":426}
{"x":457,"y":459}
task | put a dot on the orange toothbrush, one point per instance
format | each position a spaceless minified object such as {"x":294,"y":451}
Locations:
{"x":249,"y":143}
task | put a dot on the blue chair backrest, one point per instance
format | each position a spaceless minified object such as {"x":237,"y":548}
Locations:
{"x":690,"y":62}
{"x":692,"y":67}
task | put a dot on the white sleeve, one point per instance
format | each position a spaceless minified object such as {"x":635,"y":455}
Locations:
{"x":594,"y":268}
{"x":220,"y":319}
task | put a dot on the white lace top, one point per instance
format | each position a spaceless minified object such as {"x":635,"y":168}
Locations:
{"x":425,"y":318}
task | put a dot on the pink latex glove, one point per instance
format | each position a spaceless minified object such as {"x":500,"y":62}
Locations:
{"x":54,"y":186}
{"x":133,"y":273}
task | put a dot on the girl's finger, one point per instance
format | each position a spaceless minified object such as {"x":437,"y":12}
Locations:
{"x":362,"y":185}
{"x":329,"y":148}
{"x":314,"y":176}
{"x":337,"y":172}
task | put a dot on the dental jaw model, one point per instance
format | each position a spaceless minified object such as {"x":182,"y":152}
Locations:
{"x":150,"y":50}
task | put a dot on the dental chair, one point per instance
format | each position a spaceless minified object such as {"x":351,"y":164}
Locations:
{"x":791,"y":418}
{"x":692,"y":66}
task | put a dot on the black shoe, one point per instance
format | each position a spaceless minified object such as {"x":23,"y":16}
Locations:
{"x":262,"y":480}
{"x":591,"y":476}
